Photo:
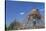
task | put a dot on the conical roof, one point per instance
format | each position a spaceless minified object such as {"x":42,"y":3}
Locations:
{"x":35,"y":13}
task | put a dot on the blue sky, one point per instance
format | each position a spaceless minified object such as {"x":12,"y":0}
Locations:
{"x":18,"y":10}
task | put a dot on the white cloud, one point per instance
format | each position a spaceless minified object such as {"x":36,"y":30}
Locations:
{"x":21,"y":13}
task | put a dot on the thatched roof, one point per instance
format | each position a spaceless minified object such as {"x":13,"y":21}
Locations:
{"x":35,"y":13}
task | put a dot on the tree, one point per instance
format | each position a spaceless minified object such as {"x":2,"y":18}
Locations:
{"x":14,"y":25}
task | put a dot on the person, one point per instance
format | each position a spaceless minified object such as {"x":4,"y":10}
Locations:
{"x":34,"y":22}
{"x":35,"y":14}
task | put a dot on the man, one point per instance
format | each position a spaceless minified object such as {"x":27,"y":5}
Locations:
{"x":34,"y":16}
